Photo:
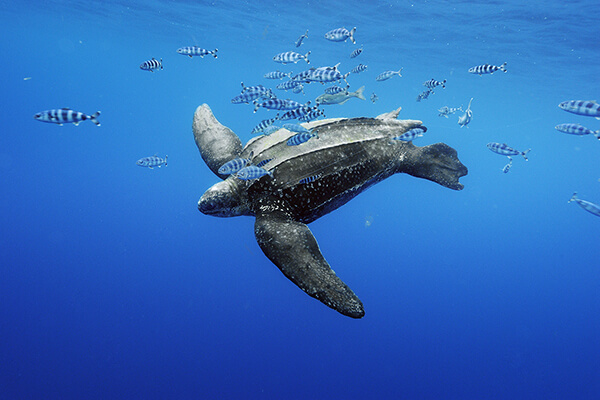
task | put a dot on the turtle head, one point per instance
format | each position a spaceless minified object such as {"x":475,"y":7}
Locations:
{"x":224,"y":199}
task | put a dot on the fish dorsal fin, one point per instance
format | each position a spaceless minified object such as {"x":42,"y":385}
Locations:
{"x":65,"y":108}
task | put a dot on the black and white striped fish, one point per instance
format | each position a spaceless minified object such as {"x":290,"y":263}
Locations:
{"x":252,"y":172}
{"x":507,"y":166}
{"x":384,"y":76}
{"x":308,"y":179}
{"x":432,"y":83}
{"x":297,"y":113}
{"x":359,"y":68}
{"x":327,"y":74}
{"x":288,"y":85}
{"x":300,"y":138}
{"x":412,"y":134}
{"x":298,"y":42}
{"x":233,"y":166}
{"x":576,"y":129}
{"x":277,"y":104}
{"x":341,"y":35}
{"x":586,"y":205}
{"x":66,"y":115}
{"x":505,"y":150}
{"x":277,"y":75}
{"x":151,"y":162}
{"x":582,"y":107}
{"x":312,"y":114}
{"x":356,"y":52}
{"x":264,"y":124}
{"x":445,"y":111}
{"x":291,"y":57}
{"x":487,"y":69}
{"x":151,"y":65}
{"x":335,"y":89}
{"x":196,"y":51}
{"x":424,"y":95}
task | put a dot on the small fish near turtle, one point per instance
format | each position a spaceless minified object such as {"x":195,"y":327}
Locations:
{"x":302,"y":183}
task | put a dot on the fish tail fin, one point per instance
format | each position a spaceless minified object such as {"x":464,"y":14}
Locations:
{"x":399,"y":72}
{"x":161,"y":66}
{"x":214,"y":53}
{"x":503,"y":67}
{"x":573,"y":198}
{"x":306,"y":57}
{"x":359,"y":93}
{"x":94,"y":116}
{"x":597,"y":134}
{"x":352,"y":35}
{"x":166,"y":157}
{"x":444,"y":83}
{"x":524,"y":154}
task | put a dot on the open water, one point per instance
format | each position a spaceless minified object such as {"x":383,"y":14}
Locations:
{"x":114,"y":286}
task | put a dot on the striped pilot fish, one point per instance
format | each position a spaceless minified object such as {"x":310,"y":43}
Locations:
{"x":233,"y":166}
{"x":576,"y":129}
{"x":298,"y":42}
{"x":277,"y":75}
{"x":308,"y":179}
{"x":384,"y":76}
{"x":151,"y":65}
{"x":312,"y":114}
{"x":432,"y":83}
{"x":300,"y":138}
{"x":487,"y":69}
{"x":374,"y":97}
{"x":288,"y":85}
{"x":582,"y":107}
{"x":412,"y":134}
{"x":298,"y":88}
{"x":507,"y":166}
{"x":335,"y":89}
{"x":341,"y":35}
{"x":445,"y":111}
{"x":291,"y":57}
{"x":295,"y":128}
{"x":151,"y":162}
{"x":356,"y":52}
{"x":269,"y":130}
{"x":264,"y":124}
{"x":252,"y":172}
{"x":327,"y":74}
{"x":505,"y":150}
{"x":586,"y":205}
{"x":66,"y":115}
{"x":297,"y":113}
{"x":424,"y":95}
{"x":196,"y":51}
{"x":278,"y":104}
{"x":359,"y":68}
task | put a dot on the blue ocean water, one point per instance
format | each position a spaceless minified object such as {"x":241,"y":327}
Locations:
{"x":114,"y":286}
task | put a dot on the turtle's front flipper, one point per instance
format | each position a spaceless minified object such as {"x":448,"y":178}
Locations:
{"x":292,"y":247}
{"x":217,"y":143}
{"x":437,"y":162}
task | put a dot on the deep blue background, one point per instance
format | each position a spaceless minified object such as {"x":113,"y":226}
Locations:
{"x":113,"y":285}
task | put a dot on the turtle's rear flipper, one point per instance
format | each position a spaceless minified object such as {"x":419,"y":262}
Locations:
{"x":292,"y":247}
{"x":437,"y":162}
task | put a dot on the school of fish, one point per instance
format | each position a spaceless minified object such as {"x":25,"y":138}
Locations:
{"x":339,"y":93}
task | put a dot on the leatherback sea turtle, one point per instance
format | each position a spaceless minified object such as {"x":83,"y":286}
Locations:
{"x":311,"y":180}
